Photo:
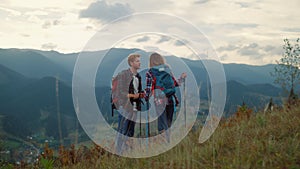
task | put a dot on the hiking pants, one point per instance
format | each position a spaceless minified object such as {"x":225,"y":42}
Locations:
{"x":125,"y":130}
{"x":166,"y":118}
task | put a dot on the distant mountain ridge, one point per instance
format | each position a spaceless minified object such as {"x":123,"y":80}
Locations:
{"x":8,"y":76}
{"x":28,"y":89}
{"x":37,"y":64}
{"x":249,"y":74}
{"x":32,"y":64}
{"x":256,"y":96}
{"x":33,"y":106}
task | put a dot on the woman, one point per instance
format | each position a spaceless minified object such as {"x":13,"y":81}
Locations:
{"x":161,"y":83}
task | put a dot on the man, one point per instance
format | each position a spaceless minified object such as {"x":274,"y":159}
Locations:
{"x":129,"y":96}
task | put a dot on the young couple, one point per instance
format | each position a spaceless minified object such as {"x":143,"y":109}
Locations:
{"x":128,"y":108}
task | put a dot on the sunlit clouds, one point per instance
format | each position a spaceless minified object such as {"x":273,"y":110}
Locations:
{"x":250,"y":32}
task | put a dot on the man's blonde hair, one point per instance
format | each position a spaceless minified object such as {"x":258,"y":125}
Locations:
{"x":131,"y":57}
{"x":156,"y":60}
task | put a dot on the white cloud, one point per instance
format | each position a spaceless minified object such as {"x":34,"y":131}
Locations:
{"x":233,"y":27}
{"x":89,"y":28}
{"x":201,"y":1}
{"x":101,"y":10}
{"x":55,"y":22}
{"x":42,"y":4}
{"x":150,"y":45}
{"x":46,"y":25}
{"x":295,"y":29}
{"x":179,"y":43}
{"x":243,"y":4}
{"x":163,"y":39}
{"x":230,"y":47}
{"x":251,"y":50}
{"x":143,"y":39}
{"x":25,"y":35}
{"x":252,"y":53}
{"x":34,"y":19}
{"x":37,"y":12}
{"x":49,"y":46}
{"x":64,"y":28}
{"x":11,"y":11}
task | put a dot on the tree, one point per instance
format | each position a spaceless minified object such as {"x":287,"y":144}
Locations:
{"x":287,"y":72}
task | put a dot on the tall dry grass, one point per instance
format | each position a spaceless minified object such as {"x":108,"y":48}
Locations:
{"x":246,"y":140}
{"x":261,"y":140}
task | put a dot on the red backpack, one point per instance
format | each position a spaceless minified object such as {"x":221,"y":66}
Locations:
{"x":119,"y":90}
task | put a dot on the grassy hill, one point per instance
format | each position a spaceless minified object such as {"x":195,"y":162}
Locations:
{"x":262,"y":140}
{"x":270,"y":140}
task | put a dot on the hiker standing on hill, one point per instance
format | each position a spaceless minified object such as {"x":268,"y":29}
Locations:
{"x":161,"y":83}
{"x":128,"y":101}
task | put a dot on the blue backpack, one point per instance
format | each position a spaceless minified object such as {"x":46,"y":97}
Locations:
{"x":163,"y":79}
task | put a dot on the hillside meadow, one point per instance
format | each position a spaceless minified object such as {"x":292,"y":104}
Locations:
{"x":246,"y":140}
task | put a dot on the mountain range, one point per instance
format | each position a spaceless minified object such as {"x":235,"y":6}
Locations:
{"x":29,"y":81}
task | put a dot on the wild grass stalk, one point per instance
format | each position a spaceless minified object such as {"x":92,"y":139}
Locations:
{"x":270,"y":140}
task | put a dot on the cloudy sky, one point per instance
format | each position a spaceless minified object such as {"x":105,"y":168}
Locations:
{"x":239,"y":31}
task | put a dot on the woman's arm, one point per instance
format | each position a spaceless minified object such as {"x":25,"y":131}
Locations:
{"x":180,"y":80}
